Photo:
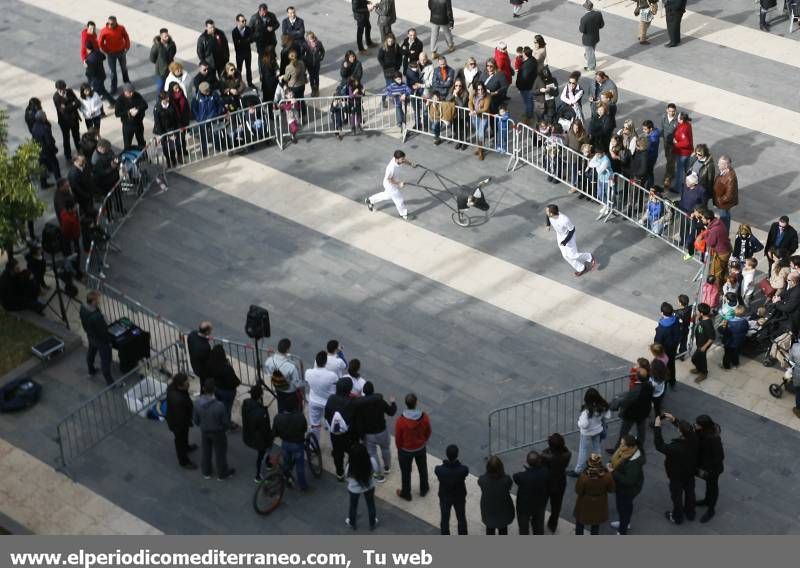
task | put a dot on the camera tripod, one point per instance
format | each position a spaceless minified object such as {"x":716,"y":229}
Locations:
{"x":59,"y":294}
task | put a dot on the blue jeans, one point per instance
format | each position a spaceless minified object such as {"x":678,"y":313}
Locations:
{"x":294,"y":454}
{"x":583,"y":450}
{"x":113,"y":58}
{"x":400,"y":114}
{"x":602,"y":189}
{"x":681,"y":162}
{"x":479,"y":126}
{"x":159,"y":84}
{"x":527,"y":102}
{"x":369,"y":498}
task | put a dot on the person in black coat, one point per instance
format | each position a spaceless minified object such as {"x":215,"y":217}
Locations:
{"x":781,"y":235}
{"x":256,"y":430}
{"x":680,"y":464}
{"x":69,"y":117}
{"x":205,"y":74}
{"x":525,"y":78}
{"x":96,"y":329}
{"x":179,"y":418}
{"x":19,"y":289}
{"x":674,"y":10}
{"x":42,"y":134}
{"x":165,"y":120}
{"x":556,"y":457}
{"x":497,"y":507}
{"x":293,"y":26}
{"x":264,"y":25}
{"x":130,"y":109}
{"x":242,"y":36}
{"x":590,"y":25}
{"x":212,"y":47}
{"x":533,"y":488}
{"x":634,"y":407}
{"x":710,"y":462}
{"x":219,"y":368}
{"x":34,"y":106}
{"x":198,"y":342}
{"x":82,"y":183}
{"x":452,"y":475}
{"x":789,"y":303}
{"x":369,"y":422}
{"x":96,"y":73}
{"x":363,"y":27}
{"x":411,"y":48}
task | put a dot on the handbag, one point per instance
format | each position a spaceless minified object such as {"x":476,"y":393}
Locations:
{"x":636,"y":11}
{"x":700,"y":241}
{"x":766,"y":288}
{"x":654,"y":8}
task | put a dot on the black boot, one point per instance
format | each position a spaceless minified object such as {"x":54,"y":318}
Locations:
{"x":707,"y":516}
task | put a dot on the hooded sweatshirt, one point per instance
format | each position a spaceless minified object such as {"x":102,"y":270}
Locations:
{"x":668,"y":333}
{"x":339,"y":408}
{"x":412,"y":430}
{"x":210,"y":414}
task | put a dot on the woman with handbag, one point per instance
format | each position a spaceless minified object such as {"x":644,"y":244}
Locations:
{"x":645,"y":10}
{"x":710,"y":458}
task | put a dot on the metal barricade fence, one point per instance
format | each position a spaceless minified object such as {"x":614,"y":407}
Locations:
{"x":335,"y":114}
{"x":528,"y":423}
{"x":117,"y":404}
{"x":217,"y":136}
{"x":446,"y":121}
{"x":621,"y":195}
{"x":115,"y":305}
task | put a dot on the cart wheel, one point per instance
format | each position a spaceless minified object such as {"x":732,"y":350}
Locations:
{"x":767,"y":361}
{"x":776,"y":390}
{"x":460,"y":219}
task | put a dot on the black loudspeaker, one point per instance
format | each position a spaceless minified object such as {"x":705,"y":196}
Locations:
{"x":257,"y":325}
{"x":51,"y":238}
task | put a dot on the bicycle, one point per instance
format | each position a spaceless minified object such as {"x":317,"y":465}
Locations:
{"x":276,"y":477}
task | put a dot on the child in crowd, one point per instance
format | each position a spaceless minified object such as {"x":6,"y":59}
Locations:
{"x":684,"y":314}
{"x":655,"y":210}
{"x":502,"y":128}
{"x":400,"y":93}
{"x":729,"y":305}
{"x":748,"y":280}
{"x":733,"y":333}
{"x":710,"y":293}
{"x":731,"y":285}
{"x":658,"y":380}
{"x":292,"y":109}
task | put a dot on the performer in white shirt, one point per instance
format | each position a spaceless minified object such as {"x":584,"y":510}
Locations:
{"x":582,"y":262}
{"x":392,"y":186}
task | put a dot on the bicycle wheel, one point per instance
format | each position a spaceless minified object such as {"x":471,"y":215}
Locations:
{"x":269,"y":492}
{"x":313,"y":455}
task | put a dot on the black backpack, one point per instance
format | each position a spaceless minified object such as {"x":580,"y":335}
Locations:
{"x":19,"y":394}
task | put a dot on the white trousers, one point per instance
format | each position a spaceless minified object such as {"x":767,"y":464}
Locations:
{"x":393,"y":194}
{"x":577,"y":260}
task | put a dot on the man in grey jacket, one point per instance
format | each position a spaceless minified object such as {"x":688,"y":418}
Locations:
{"x":212,"y":418}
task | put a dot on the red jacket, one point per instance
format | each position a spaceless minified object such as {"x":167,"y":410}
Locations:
{"x":114,"y":40}
{"x":86,"y":37}
{"x":684,"y":144}
{"x":70,"y":224}
{"x":412,"y":434}
{"x":503,"y":64}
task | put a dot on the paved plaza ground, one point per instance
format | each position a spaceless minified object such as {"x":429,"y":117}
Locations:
{"x":423,"y":305}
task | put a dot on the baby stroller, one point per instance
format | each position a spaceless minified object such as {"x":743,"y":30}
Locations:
{"x":249,"y":124}
{"x":770,"y":334}
{"x":790,"y":381}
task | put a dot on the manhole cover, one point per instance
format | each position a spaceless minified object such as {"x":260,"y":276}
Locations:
{"x":636,"y":293}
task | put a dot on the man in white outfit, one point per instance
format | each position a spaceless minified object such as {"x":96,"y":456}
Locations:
{"x":322,"y":384}
{"x":392,"y":186}
{"x":582,"y":262}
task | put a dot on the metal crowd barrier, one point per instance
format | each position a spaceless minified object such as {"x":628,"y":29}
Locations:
{"x":622,"y":196}
{"x":442,"y":119}
{"x":114,"y":406}
{"x":528,"y":423}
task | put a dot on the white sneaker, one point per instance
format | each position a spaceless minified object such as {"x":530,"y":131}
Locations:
{"x":614,"y":524}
